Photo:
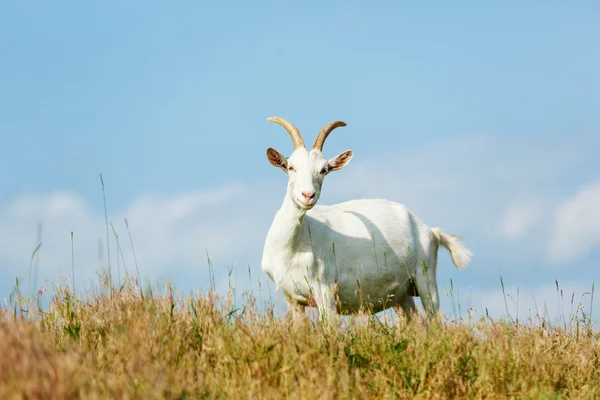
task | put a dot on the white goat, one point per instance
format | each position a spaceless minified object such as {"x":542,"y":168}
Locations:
{"x":361,"y":253}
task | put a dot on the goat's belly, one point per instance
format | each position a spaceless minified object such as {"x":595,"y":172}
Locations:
{"x":375,"y":293}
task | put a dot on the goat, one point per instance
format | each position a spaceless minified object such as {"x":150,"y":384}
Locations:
{"x":340,"y":258}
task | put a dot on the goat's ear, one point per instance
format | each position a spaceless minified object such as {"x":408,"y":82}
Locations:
{"x":340,"y":161}
{"x":276,"y":159}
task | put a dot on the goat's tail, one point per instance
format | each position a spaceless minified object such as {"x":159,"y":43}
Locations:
{"x":461,"y":255}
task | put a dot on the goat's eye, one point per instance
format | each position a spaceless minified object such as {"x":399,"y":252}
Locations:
{"x":323,"y":171}
{"x":290,"y":168}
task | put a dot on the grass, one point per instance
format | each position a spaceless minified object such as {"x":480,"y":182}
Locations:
{"x":123,"y":342}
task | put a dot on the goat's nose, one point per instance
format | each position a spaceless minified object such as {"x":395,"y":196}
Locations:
{"x":308,"y":195}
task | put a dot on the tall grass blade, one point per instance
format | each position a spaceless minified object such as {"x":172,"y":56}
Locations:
{"x":107,"y":235}
{"x":137,"y":269}
{"x":72,"y":262}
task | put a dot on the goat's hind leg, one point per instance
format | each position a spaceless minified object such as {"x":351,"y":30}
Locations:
{"x":426,"y":284}
{"x":406,"y":308}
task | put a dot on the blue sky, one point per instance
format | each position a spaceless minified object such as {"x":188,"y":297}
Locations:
{"x":483,"y":119}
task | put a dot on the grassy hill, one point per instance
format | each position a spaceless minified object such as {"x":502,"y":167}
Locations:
{"x":123,"y":343}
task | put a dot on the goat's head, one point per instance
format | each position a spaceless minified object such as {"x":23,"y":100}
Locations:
{"x":306,"y":169}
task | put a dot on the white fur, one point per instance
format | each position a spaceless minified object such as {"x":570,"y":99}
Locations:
{"x":360,"y":252}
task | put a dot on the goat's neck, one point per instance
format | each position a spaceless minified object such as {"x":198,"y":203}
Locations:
{"x":287,"y":225}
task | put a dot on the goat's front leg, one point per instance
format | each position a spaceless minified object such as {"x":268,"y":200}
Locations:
{"x":325,"y":299}
{"x":296,"y":310}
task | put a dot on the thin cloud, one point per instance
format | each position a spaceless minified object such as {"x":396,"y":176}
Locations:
{"x":170,"y":233}
{"x":577,"y":225}
{"x":519,"y":218}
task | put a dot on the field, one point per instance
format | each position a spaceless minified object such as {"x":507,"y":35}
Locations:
{"x":121,"y":342}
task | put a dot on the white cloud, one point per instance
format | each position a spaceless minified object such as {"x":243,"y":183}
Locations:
{"x":519,"y":218}
{"x":171,"y":234}
{"x":58,"y":212}
{"x":577,"y":225}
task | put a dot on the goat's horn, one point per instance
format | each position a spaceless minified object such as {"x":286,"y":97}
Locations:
{"x":292,"y":130}
{"x":325,"y":132}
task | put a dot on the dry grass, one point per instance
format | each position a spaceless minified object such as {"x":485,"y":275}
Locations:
{"x":119,"y":345}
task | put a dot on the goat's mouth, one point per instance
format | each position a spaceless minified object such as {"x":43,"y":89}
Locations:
{"x":305,"y":204}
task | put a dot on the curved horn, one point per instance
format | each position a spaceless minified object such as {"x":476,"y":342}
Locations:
{"x":325,"y":132}
{"x":292,"y":130}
